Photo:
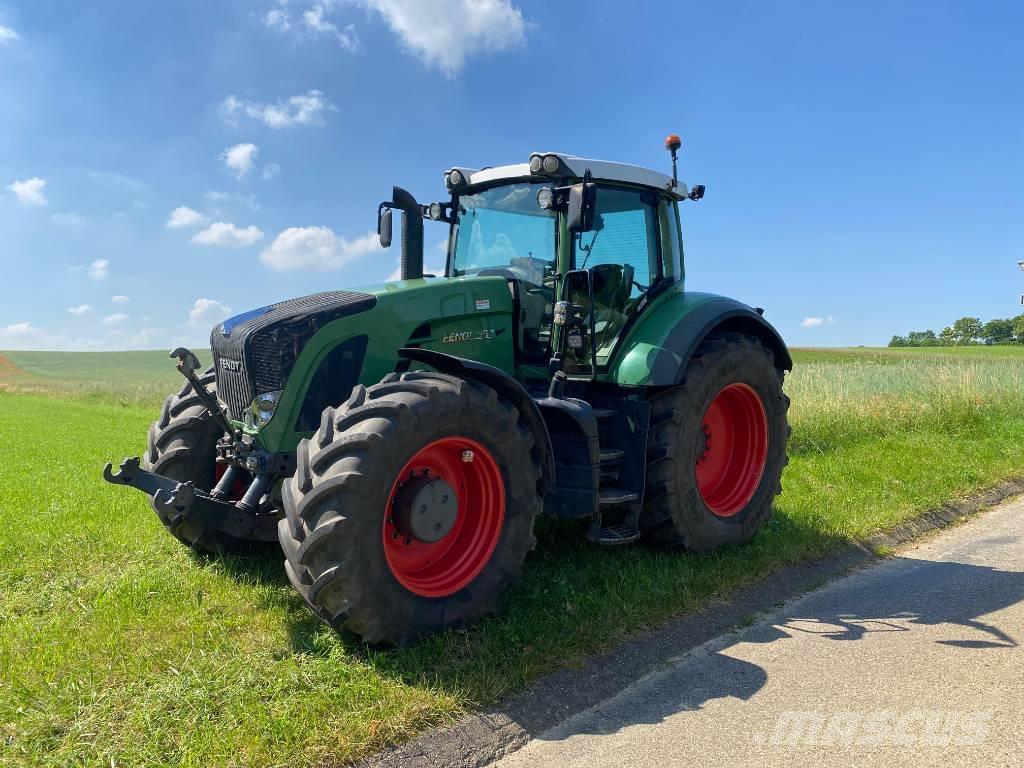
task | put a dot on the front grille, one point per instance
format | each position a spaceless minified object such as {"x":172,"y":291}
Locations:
{"x":254,"y":352}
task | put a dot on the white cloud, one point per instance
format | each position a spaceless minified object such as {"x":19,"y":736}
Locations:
{"x":99,"y":269}
{"x":115,"y":319}
{"x":303,"y":109}
{"x":227,"y":235}
{"x":114,"y":180}
{"x":69,"y":220}
{"x":277,"y":19}
{"x":313,"y":22}
{"x":314,"y":19}
{"x":240,"y":158}
{"x":218,"y":198}
{"x":316,"y":248}
{"x":147,"y":338}
{"x":81,"y":309}
{"x":119,"y":299}
{"x":814,"y":322}
{"x":16,"y":329}
{"x":30,"y":191}
{"x":270,"y":171}
{"x":183,"y":216}
{"x":27,"y":336}
{"x":7,"y":34}
{"x":206,"y":312}
{"x":444,"y":33}
{"x":437,"y":271}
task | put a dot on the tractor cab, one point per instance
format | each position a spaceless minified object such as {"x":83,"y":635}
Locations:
{"x":602,"y":237}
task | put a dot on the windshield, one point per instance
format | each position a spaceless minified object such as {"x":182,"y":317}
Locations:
{"x":503,"y":231}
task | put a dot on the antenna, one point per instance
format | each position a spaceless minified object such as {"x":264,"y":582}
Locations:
{"x":672,"y":144}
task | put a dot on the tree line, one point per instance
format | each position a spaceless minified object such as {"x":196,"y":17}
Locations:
{"x":966,"y":331}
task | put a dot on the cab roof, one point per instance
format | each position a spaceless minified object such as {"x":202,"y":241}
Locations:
{"x":600,"y":170}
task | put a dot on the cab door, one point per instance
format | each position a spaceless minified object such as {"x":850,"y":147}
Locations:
{"x":622,"y":255}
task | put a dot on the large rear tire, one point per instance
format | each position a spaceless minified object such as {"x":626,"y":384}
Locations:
{"x":419,"y":443}
{"x":716,"y":448}
{"x":182,"y":445}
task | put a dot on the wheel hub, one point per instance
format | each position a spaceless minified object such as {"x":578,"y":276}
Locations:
{"x":425,"y":509}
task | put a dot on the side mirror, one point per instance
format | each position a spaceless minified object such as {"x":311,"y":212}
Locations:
{"x":578,"y":289}
{"x":582,"y":205}
{"x":384,"y":226}
{"x":579,"y":320}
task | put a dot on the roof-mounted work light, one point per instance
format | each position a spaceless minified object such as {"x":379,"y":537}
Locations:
{"x":548,"y":164}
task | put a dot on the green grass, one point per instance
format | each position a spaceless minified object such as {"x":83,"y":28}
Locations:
{"x":100,"y":377}
{"x":117,"y":644}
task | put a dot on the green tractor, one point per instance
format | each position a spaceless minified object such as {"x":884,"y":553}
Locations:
{"x":400,"y":440}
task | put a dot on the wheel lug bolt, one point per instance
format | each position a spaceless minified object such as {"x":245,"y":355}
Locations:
{"x":467,"y":457}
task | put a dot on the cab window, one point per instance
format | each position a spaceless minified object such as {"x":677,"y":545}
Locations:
{"x":621,"y":253}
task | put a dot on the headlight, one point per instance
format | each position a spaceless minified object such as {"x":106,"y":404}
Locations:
{"x":436,"y":211}
{"x":454,"y":179}
{"x":263,"y":408}
{"x":536,"y":163}
{"x":550,"y":163}
{"x":545,"y":198}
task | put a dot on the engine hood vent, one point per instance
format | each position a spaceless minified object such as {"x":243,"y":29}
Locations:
{"x":255,"y":351}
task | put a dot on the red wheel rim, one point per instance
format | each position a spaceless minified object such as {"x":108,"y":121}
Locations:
{"x":443,"y":567}
{"x":735,"y":449}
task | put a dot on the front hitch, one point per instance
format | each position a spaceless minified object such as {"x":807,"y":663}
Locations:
{"x":175,"y":501}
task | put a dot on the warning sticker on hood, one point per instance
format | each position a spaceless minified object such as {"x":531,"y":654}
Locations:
{"x":483,"y":303}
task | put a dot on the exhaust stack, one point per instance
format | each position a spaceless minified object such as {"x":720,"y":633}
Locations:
{"x":412,"y":234}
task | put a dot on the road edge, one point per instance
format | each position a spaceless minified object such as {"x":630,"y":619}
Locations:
{"x":480,"y":738}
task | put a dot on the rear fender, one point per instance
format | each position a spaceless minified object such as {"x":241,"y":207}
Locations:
{"x":661,"y":344}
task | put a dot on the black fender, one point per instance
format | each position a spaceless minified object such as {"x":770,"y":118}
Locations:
{"x":506,"y":386}
{"x":718,"y":314}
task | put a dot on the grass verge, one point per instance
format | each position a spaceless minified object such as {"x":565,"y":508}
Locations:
{"x":118,"y":645}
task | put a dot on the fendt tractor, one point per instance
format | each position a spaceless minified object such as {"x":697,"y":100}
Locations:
{"x":400,"y":440}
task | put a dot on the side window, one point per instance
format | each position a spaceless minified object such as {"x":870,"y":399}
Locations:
{"x":624,"y":235}
{"x":622,"y":256}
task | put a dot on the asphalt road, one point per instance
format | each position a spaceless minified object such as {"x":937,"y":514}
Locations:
{"x":916,"y":661}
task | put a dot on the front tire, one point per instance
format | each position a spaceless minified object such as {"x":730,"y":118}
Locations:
{"x":419,"y":443}
{"x":182,"y":445}
{"x":716,"y":448}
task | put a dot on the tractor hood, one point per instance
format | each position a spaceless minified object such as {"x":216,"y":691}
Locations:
{"x":280,"y":347}
{"x":254,"y":352}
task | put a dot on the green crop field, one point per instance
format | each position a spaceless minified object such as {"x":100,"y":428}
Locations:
{"x":119,"y":647}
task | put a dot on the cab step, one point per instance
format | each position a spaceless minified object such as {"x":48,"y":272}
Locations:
{"x":611,"y":456}
{"x":614,"y":535}
{"x":604,"y":413}
{"x":608,"y":496}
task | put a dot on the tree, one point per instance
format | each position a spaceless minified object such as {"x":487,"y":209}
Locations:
{"x":897,"y":341}
{"x":946,"y":338}
{"x":997,"y":331}
{"x":966,"y":330}
{"x":1018,"y":329}
{"x":922,"y":339}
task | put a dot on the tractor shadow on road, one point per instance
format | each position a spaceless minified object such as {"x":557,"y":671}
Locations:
{"x":902,"y":594}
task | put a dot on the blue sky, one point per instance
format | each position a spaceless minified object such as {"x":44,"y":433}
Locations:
{"x":163,"y":163}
